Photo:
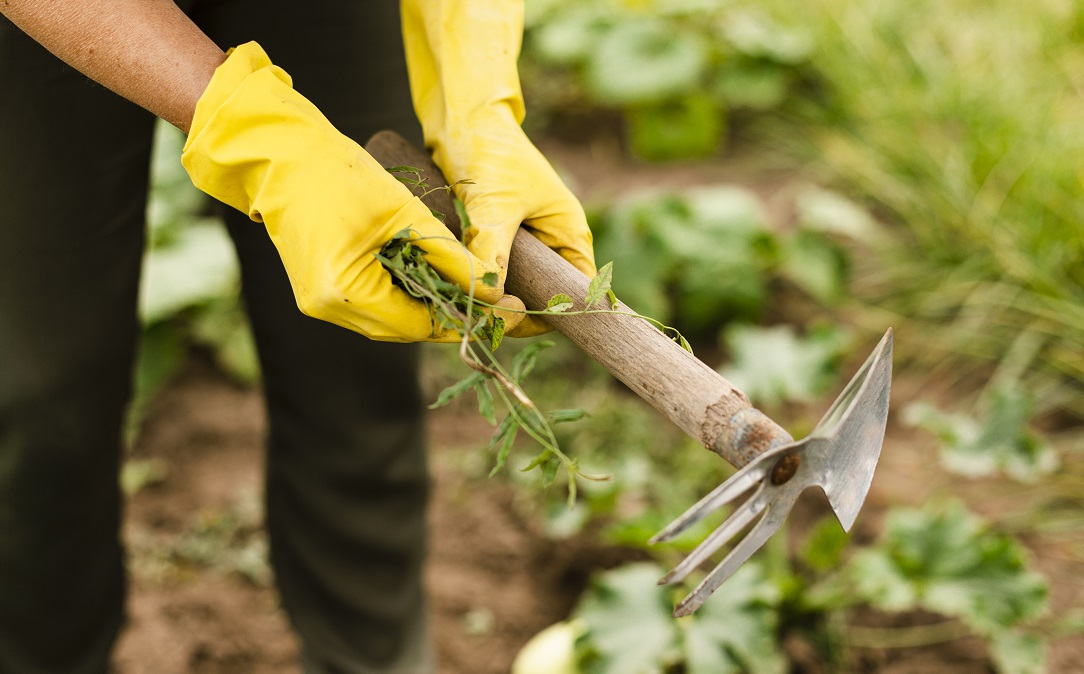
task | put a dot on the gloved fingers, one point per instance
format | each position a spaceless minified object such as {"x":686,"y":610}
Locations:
{"x":560,"y":223}
{"x":492,"y":245}
{"x":454,"y":262}
{"x":530,"y":326}
{"x":512,"y":311}
{"x":566,"y":232}
{"x":371,"y":306}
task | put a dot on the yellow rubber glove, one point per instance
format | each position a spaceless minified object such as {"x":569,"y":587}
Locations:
{"x":259,"y":146}
{"x":461,"y":57}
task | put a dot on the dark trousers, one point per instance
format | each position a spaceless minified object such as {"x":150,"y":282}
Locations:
{"x":346,"y":475}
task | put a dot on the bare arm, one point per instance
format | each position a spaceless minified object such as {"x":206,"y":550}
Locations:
{"x":145,"y":50}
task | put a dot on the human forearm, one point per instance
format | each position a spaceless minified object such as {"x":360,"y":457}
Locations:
{"x":145,"y":50}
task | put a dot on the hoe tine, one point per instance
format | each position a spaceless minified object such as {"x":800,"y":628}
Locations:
{"x":739,"y":483}
{"x":773,"y":519}
{"x":737,"y":521}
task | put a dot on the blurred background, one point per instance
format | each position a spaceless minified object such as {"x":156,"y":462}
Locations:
{"x":781,"y":182}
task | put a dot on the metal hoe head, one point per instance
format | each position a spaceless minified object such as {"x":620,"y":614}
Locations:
{"x":839,"y":456}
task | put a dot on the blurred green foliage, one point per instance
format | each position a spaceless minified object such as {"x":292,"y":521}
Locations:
{"x":704,"y":256}
{"x":673,"y":70}
{"x":960,"y":121}
{"x":189,"y":293}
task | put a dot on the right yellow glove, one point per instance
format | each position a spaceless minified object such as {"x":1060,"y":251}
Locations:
{"x":461,"y":58}
{"x":259,"y":146}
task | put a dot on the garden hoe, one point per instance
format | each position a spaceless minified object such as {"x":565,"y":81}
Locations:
{"x":839,"y":456}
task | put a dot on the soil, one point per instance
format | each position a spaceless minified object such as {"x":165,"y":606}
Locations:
{"x":494,"y":579}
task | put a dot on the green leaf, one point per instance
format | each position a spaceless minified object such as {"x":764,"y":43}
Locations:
{"x":755,"y":34}
{"x":823,"y":549}
{"x":455,"y":390}
{"x":404,"y":169}
{"x":817,"y":265}
{"x":629,"y":629}
{"x":830,"y":212}
{"x":565,"y":416}
{"x":1016,"y":652}
{"x":485,"y":401}
{"x":773,"y":364}
{"x":599,"y":289}
{"x":503,"y":440}
{"x":571,"y":35}
{"x":464,"y":218}
{"x":559,"y":303}
{"x":735,"y":631}
{"x":490,"y":279}
{"x":645,"y":60}
{"x":524,"y":361}
{"x":945,"y":560}
{"x":549,"y":470}
{"x":197,"y":267}
{"x":998,"y":440}
{"x":496,"y":332}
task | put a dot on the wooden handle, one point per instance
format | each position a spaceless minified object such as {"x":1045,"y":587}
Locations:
{"x":673,"y":381}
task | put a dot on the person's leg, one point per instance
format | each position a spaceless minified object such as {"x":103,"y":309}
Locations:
{"x":73,"y":175}
{"x":346,"y":476}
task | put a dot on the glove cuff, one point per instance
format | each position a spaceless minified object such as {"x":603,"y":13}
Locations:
{"x":241,"y":61}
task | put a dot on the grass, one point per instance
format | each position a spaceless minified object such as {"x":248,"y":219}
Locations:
{"x":961,"y":120}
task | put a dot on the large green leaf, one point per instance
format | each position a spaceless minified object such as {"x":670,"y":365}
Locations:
{"x":815,"y":264}
{"x":570,"y":35}
{"x":1017,"y":652}
{"x":773,"y":364}
{"x":644,"y":60}
{"x":199,"y":266}
{"x":629,"y":628}
{"x":756,"y":35}
{"x":736,"y":630}
{"x":998,"y":440}
{"x":945,"y":560}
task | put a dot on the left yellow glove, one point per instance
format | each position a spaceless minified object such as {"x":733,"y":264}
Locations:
{"x":259,"y":146}
{"x":461,"y":57}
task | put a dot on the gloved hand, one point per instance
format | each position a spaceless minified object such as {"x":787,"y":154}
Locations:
{"x":259,"y":146}
{"x":461,"y":57}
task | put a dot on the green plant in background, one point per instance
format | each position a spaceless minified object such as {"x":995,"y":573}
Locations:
{"x":189,"y":290}
{"x":941,"y":559}
{"x":706,"y":256}
{"x":773,"y":365}
{"x":960,"y":120}
{"x":998,"y":440}
{"x":674,"y":70}
{"x":944,"y":559}
{"x":628,"y":629}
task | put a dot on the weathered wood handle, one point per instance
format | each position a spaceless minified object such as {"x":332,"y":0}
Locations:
{"x":688,"y":392}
